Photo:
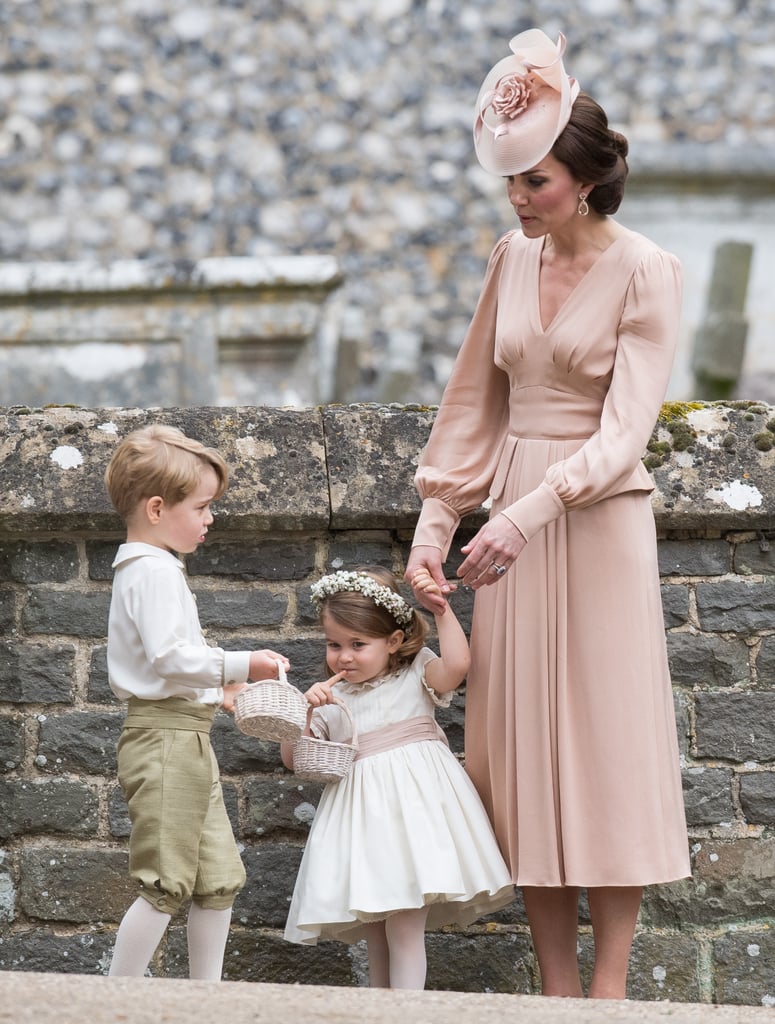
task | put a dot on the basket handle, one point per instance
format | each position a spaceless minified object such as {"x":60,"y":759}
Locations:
{"x":348,"y":714}
{"x":281,"y":676}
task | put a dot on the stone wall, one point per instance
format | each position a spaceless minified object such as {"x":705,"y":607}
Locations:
{"x":164,"y":129}
{"x":216,"y":332}
{"x":312,"y":491}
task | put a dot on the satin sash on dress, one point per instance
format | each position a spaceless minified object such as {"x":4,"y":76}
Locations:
{"x":411,"y":730}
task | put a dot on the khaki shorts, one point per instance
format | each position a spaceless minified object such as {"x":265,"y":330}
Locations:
{"x":181,"y":845}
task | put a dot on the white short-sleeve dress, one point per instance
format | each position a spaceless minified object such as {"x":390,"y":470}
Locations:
{"x":405,"y":829}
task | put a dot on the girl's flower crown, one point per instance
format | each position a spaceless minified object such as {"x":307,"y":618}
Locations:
{"x":337,"y":582}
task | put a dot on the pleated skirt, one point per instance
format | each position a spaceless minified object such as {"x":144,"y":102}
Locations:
{"x":570,"y":725}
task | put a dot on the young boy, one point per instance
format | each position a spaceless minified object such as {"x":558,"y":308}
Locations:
{"x":181,"y":845}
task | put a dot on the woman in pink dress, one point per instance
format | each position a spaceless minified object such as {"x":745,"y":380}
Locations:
{"x":570,"y":729}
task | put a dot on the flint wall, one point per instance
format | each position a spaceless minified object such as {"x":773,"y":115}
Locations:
{"x":160,"y":129}
{"x":317,"y":489}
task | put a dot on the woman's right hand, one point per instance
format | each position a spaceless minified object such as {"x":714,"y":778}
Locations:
{"x":426,"y":559}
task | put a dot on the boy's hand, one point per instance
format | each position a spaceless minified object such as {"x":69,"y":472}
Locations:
{"x":230,"y":691}
{"x":320,"y":693}
{"x":263,"y":664}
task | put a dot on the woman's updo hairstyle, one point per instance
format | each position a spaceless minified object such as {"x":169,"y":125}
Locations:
{"x":594,"y":153}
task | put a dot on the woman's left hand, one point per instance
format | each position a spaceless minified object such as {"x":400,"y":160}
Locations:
{"x":491,"y":553}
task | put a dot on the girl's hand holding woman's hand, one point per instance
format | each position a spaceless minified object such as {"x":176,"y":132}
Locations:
{"x":491,"y":553}
{"x":425,"y":576}
{"x":426,"y":588}
{"x":424,"y":583}
{"x":320,"y":693}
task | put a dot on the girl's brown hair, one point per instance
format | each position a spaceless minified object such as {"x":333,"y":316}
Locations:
{"x":594,"y":153}
{"x":353,"y":610}
{"x":159,"y":461}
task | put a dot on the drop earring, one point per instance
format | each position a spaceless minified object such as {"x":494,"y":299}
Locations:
{"x":583,"y":209}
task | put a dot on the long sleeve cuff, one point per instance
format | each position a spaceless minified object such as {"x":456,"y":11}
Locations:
{"x":535,"y":510}
{"x":236,"y":666}
{"x":436,"y":525}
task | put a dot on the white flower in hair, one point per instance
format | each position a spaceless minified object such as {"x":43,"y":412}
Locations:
{"x":339,"y":582}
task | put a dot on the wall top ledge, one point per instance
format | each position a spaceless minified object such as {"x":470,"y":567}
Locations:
{"x":52,"y":463}
{"x":352,"y":466}
{"x":712,"y":465}
{"x":702,"y":163}
{"x":20,"y":280}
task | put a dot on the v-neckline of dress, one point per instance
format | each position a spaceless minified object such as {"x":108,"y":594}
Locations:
{"x":545,"y":329}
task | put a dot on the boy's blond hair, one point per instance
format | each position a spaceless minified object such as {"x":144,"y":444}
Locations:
{"x":159,"y":461}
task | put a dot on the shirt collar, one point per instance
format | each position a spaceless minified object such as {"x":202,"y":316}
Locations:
{"x":136,"y":549}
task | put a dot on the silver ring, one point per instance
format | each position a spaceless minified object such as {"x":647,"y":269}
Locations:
{"x":499,"y":569}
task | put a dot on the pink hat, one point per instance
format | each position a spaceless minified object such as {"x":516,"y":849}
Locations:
{"x":523,"y":105}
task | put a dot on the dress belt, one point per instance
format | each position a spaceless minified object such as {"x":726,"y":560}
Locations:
{"x":411,"y":730}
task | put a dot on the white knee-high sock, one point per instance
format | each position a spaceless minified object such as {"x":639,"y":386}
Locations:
{"x":405,"y":933}
{"x":139,"y":933}
{"x":208,"y":931}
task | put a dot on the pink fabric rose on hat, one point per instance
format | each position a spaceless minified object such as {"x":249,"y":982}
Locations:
{"x":511,"y":96}
{"x":523,"y":104}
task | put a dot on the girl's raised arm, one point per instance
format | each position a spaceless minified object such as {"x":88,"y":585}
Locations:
{"x":448,"y":671}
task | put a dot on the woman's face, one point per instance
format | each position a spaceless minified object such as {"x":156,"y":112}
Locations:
{"x":545,"y":198}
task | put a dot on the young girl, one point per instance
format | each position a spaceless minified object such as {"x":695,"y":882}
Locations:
{"x":403,"y":842}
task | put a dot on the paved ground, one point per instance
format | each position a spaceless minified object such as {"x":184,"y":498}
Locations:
{"x":27,"y":998}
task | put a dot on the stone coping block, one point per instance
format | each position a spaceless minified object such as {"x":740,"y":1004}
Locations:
{"x":82,"y":277}
{"x":690,"y":160}
{"x":712,"y":464}
{"x":35,"y":998}
{"x":340,"y":467}
{"x":373,"y":451}
{"x":52,"y":463}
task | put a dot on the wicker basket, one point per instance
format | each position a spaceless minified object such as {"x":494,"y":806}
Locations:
{"x":271,"y":709}
{"x":316,"y":760}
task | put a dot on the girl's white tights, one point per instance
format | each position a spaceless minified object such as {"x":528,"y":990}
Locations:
{"x":396,"y":948}
{"x":143,"y":927}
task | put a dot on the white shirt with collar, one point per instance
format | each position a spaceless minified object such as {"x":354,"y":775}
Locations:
{"x":156,"y":648}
